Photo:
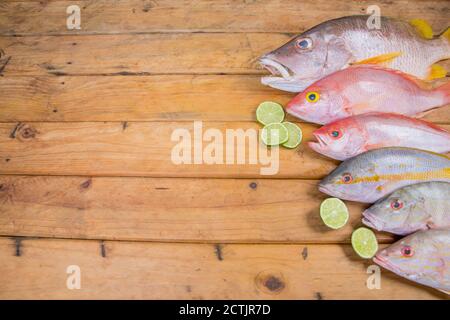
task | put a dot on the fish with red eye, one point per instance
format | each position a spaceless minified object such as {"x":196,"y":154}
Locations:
{"x":407,"y":251}
{"x":347,"y":178}
{"x":422,"y":257}
{"x":335,"y":134}
{"x":348,"y":137}
{"x":396,"y":204}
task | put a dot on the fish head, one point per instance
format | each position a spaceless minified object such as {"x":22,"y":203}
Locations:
{"x":339,"y":140}
{"x":316,"y":104}
{"x":399,"y":213}
{"x":354,"y":180}
{"x":305,"y":59}
{"x":409,"y":257}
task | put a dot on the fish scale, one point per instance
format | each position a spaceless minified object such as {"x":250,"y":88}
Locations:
{"x":422,"y":257}
{"x":416,"y":207}
{"x":336,"y":44}
{"x":376,"y":173}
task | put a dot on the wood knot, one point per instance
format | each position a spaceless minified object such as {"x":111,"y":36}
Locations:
{"x":28,"y":132}
{"x":253,"y":185}
{"x":23,"y":131}
{"x":271,"y":282}
{"x":85,"y":185}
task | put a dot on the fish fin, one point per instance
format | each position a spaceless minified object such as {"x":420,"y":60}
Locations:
{"x":436,"y":72}
{"x":382,"y":58}
{"x":422,"y":27}
{"x":446,"y":34}
{"x":445,"y":90}
{"x":424,"y":113}
{"x":446,"y":292}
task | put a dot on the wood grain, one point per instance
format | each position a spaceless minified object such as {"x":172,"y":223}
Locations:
{"x":36,"y":269}
{"x":142,"y":98}
{"x":193,"y":53}
{"x":140,"y":149}
{"x":127,"y":16}
{"x":152,"y":149}
{"x":162,"y":209}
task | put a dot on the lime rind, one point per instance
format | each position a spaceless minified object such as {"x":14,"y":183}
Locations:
{"x":274,"y":134}
{"x":364,"y":242}
{"x":269,"y":112}
{"x":295,"y":135}
{"x":334,"y":213}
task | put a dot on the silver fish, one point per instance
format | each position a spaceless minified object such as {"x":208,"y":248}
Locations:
{"x":335,"y":44}
{"x":423,"y":257}
{"x":376,"y":173}
{"x":420,"y":206}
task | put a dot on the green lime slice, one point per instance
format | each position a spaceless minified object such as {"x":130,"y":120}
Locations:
{"x":364,"y":243}
{"x":334,"y":213}
{"x":269,"y":112}
{"x":295,"y":135}
{"x":274,"y":134}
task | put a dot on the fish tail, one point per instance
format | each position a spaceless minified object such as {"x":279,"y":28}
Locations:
{"x":445,"y":91}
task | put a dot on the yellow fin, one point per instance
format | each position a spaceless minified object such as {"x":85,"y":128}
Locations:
{"x":436,"y":72}
{"x":446,"y":34}
{"x":422,"y":27}
{"x":387,"y":57}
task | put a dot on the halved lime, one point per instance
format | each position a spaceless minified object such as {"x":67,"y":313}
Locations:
{"x":364,"y":242}
{"x":274,"y":134}
{"x":269,"y":112}
{"x":334,"y":213}
{"x":295,"y":135}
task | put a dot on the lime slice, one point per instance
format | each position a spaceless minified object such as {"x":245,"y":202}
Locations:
{"x":274,"y":134}
{"x":295,"y":135}
{"x":364,"y":243}
{"x":334,"y":213}
{"x":269,"y":112}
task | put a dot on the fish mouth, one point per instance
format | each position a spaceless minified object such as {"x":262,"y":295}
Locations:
{"x":276,"y":69}
{"x":371,"y":221}
{"x":318,"y":144}
{"x":325,"y":189}
{"x":381,"y":261}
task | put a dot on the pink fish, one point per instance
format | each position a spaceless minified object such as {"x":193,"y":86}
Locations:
{"x":423,"y":257}
{"x":348,"y":137}
{"x":366,"y":88}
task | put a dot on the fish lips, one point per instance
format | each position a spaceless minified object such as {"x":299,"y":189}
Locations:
{"x":319,"y":144}
{"x":370,"y":220}
{"x":275,"y":68}
{"x":282,"y":77}
{"x":380,"y":260}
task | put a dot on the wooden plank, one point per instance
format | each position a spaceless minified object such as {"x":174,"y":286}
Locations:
{"x":138,"y":98}
{"x":36,"y":269}
{"x":137,"y":54}
{"x":162,"y":209}
{"x":122,"y":16}
{"x":143,"y":149}
{"x":147,"y":149}
{"x":142,"y":54}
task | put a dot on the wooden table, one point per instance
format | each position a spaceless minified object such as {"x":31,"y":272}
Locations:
{"x":86,"y":118}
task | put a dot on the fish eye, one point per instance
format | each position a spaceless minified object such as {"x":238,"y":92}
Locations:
{"x":396,"y":204}
{"x":312,"y":96}
{"x":407,"y":251}
{"x":335,"y":134}
{"x":304,"y":43}
{"x":347,"y":178}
